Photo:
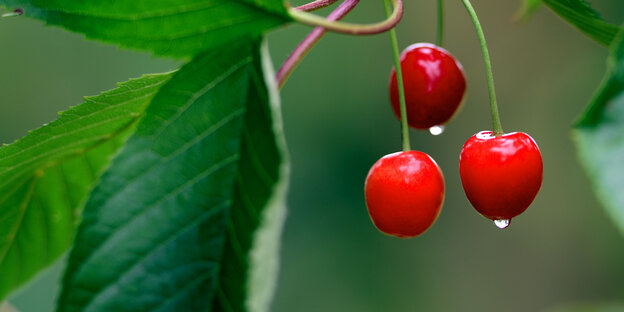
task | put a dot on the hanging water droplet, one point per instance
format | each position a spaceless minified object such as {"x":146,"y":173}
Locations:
{"x":502,"y":223}
{"x":436,"y":130}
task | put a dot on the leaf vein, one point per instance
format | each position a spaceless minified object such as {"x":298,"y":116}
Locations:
{"x":18,"y":224}
{"x":78,"y":130}
{"x":225,"y":302}
{"x":195,"y":221}
{"x":188,"y":287}
{"x":149,"y":206}
{"x":179,"y":151}
{"x":247,"y":203}
{"x":209,"y":86}
{"x":33,"y":162}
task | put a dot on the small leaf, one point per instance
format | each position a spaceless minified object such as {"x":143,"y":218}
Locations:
{"x":177,"y":28}
{"x":599,"y":136}
{"x":188,"y":216}
{"x":46,"y":176}
{"x":583,"y":17}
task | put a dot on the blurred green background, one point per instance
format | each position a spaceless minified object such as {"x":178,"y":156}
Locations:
{"x":563,"y":250}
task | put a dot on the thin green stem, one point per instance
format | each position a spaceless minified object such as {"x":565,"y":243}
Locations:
{"x":399,"y":74}
{"x":496,"y":124}
{"x":440,"y":37}
{"x":348,"y":28}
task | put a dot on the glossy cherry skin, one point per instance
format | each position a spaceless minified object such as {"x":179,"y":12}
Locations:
{"x":434,"y":85}
{"x":404,"y":193}
{"x":502,"y":174}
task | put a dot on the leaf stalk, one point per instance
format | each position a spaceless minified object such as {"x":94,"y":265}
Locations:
{"x":315,"y":5}
{"x":349,"y":28}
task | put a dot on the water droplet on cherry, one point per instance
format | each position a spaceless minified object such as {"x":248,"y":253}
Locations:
{"x":502,"y":223}
{"x":436,"y":130}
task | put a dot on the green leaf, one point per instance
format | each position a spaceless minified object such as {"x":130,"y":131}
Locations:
{"x":189,"y":214}
{"x":599,"y":136}
{"x":46,"y":176}
{"x":259,"y":206}
{"x":583,"y":17}
{"x":177,"y":28}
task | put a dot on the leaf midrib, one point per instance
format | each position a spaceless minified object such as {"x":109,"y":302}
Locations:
{"x":177,"y":190}
{"x":180,"y":111}
{"x":22,"y":213}
{"x":81,"y":118}
{"x":197,"y":220}
{"x":71,"y":154}
{"x":38,"y":172}
{"x":196,"y":95}
{"x":192,"y":99}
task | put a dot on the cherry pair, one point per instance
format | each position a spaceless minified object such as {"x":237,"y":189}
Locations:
{"x":501,"y":174}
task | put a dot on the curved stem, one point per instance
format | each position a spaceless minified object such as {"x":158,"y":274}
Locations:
{"x":315,"y":5}
{"x":348,"y":28}
{"x":399,"y":73}
{"x":304,"y":47}
{"x":496,"y":124}
{"x":440,"y":37}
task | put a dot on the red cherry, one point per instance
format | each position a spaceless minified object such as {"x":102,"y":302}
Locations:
{"x":501,"y":175}
{"x":404,"y":193}
{"x":434,"y":85}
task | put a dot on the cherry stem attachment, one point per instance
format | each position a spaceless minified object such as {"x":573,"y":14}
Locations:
{"x":308,"y":42}
{"x":315,"y":5}
{"x":496,"y":124}
{"x":440,"y":37}
{"x":348,"y":28}
{"x":399,"y":74}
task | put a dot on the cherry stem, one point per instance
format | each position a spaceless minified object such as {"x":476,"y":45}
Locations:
{"x":348,"y":28}
{"x":440,"y":37}
{"x":399,"y":74}
{"x":497,"y":128}
{"x":309,"y":41}
{"x":315,"y":5}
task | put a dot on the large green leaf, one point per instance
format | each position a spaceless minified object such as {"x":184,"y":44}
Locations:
{"x":250,"y":263}
{"x":583,"y":17}
{"x":189,"y":214}
{"x":46,"y":176}
{"x":178,"y":28}
{"x":599,"y":136}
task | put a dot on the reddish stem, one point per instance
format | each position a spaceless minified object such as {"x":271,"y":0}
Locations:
{"x":315,"y":5}
{"x":302,"y":49}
